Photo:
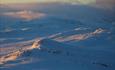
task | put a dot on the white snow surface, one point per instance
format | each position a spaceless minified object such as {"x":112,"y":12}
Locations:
{"x":53,"y":55}
{"x":56,"y":37}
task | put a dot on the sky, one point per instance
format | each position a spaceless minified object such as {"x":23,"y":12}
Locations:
{"x":17,"y":1}
{"x":103,"y":3}
{"x":39,"y":1}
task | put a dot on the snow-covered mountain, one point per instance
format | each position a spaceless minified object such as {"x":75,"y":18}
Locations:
{"x":58,"y":36}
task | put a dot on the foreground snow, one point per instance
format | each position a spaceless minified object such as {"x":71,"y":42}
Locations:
{"x":54,"y":55}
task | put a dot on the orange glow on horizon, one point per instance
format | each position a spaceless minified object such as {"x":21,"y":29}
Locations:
{"x":17,"y":1}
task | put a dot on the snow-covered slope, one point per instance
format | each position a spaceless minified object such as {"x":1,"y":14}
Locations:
{"x":68,"y":37}
{"x":54,"y":55}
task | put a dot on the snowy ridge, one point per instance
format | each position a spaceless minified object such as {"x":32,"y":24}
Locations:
{"x":17,"y":52}
{"x":42,"y":44}
{"x":60,"y":53}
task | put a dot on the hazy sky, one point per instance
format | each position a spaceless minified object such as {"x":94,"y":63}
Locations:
{"x":34,"y":1}
{"x":100,"y":2}
{"x":17,"y":1}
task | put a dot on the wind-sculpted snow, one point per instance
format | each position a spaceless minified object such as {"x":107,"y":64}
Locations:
{"x":12,"y":53}
{"x":7,"y":30}
{"x":56,"y":37}
{"x":60,"y":36}
{"x":16,"y":50}
{"x":56,"y":54}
